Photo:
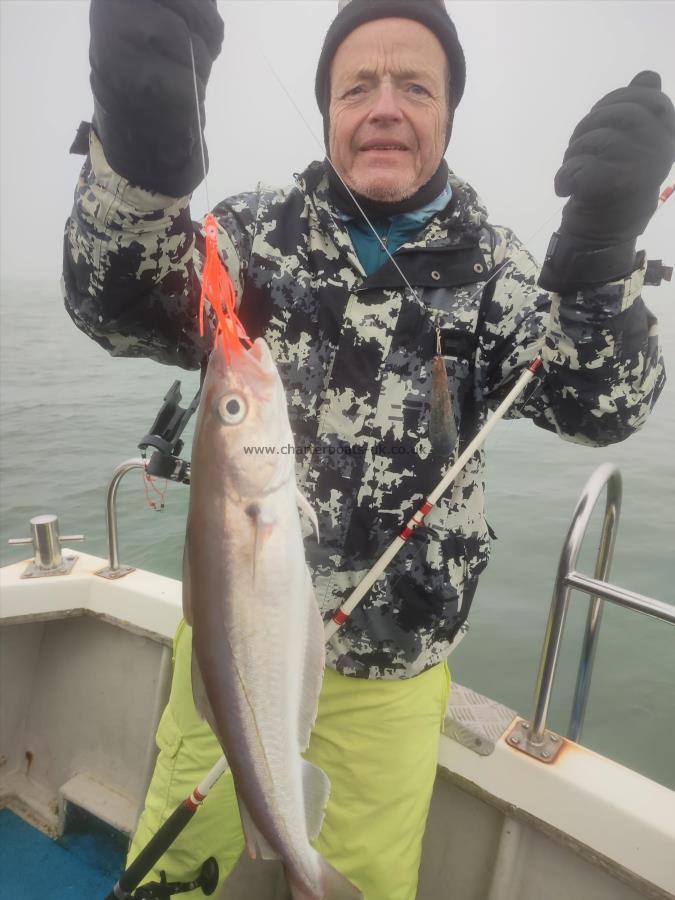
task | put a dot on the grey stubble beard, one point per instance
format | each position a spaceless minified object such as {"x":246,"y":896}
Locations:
{"x":386,"y":193}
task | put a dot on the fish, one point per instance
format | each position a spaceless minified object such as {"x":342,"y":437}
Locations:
{"x":258,"y":638}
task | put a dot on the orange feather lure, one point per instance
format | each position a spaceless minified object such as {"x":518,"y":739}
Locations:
{"x":218,"y":289}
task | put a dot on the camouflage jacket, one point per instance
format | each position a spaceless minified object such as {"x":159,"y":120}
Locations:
{"x":354,"y":353}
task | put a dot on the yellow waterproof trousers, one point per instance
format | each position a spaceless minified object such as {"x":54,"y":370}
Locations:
{"x":376,"y":740}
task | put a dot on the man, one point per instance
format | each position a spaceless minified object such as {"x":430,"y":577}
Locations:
{"x":354,"y":346}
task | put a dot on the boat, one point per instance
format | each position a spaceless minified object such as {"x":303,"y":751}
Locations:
{"x":518,"y":811}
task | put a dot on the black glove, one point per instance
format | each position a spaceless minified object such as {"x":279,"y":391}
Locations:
{"x":145,"y":110}
{"x":616,"y":161}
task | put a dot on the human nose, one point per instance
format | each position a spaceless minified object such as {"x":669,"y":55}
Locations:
{"x":385,"y":105}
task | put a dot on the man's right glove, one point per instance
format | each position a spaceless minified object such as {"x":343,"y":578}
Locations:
{"x":145,"y":110}
{"x":617,"y":159}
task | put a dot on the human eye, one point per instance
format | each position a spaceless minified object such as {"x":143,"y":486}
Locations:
{"x":418,"y":90}
{"x":355,"y":91}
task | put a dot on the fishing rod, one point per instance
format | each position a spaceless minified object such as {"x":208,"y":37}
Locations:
{"x":160,"y":842}
{"x":360,"y":591}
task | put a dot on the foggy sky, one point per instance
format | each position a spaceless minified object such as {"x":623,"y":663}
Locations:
{"x":533,"y":70}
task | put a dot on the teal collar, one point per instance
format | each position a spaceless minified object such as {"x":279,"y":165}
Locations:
{"x":394,"y":232}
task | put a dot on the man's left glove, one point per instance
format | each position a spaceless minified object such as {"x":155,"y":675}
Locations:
{"x":616,"y":161}
{"x":145,"y":107}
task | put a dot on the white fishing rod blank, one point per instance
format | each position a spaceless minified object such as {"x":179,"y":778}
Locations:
{"x":359,"y":592}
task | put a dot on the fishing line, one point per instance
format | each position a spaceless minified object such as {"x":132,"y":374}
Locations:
{"x":499,"y":269}
{"x":320,"y":144}
{"x":199,"y":121}
{"x":342,"y":181}
{"x":149,"y":485}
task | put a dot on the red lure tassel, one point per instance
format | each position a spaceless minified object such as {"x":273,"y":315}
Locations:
{"x":218,"y":289}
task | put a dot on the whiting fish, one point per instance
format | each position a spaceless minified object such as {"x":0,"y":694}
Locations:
{"x":258,"y":639}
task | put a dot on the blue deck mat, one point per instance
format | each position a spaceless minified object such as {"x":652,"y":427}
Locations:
{"x":83,"y":865}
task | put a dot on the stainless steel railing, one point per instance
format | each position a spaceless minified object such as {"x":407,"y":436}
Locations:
{"x":114,"y":569}
{"x":569,"y":579}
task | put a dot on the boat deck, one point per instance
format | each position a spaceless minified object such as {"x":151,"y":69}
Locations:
{"x":82,"y":865}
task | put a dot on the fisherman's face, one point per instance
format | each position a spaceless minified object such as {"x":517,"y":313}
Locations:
{"x":388,"y":108}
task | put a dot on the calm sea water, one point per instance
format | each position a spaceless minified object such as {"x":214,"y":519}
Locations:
{"x":70,"y":414}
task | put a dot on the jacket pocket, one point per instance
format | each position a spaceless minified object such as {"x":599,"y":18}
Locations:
{"x":427,"y":591}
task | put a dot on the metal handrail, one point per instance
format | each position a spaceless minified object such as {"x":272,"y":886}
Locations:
{"x":113,"y":569}
{"x":610,"y":476}
{"x":567,"y":579}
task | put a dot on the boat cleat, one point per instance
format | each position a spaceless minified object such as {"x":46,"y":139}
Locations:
{"x":46,"y":542}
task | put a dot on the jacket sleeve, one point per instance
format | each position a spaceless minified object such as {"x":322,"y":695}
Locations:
{"x":603,"y":369}
{"x":132,"y":263}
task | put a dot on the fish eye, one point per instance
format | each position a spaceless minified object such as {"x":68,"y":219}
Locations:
{"x":232,"y":409}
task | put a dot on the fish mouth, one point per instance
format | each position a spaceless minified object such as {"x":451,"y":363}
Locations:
{"x":260,"y":352}
{"x":258,"y":371}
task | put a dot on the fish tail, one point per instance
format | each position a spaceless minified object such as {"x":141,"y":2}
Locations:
{"x":334,"y":886}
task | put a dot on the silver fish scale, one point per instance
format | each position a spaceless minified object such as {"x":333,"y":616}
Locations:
{"x":356,"y":367}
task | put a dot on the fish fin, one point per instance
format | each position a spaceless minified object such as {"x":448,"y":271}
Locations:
{"x":199,"y":693}
{"x":263,"y":523}
{"x":305,"y":507}
{"x":334,"y":886}
{"x":314,"y":662}
{"x":316,"y":790}
{"x":257,"y":845}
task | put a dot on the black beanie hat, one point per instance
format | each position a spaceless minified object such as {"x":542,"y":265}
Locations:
{"x":431,"y":13}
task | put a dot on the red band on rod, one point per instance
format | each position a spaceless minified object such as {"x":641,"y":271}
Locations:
{"x":340,"y":617}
